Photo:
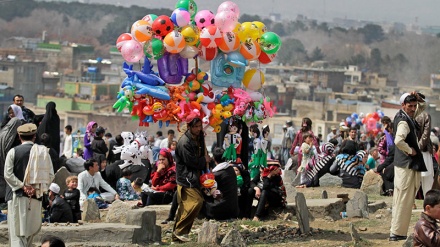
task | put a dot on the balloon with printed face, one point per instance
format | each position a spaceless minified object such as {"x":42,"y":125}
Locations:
{"x":180,"y":17}
{"x":239,"y":31}
{"x":250,"y":49}
{"x":174,"y":42}
{"x":163,"y":26}
{"x":204,"y":18}
{"x":229,"y":42}
{"x":154,"y":48}
{"x":226,"y":21}
{"x":189,"y":5}
{"x":250,"y":30}
{"x":141,"y":30}
{"x":132,"y":51}
{"x":191,"y":34}
{"x":270,"y":42}
{"x":122,"y":39}
{"x":229,"y":6}
{"x":260,"y":26}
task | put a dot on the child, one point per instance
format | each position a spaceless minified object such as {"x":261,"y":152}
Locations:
{"x":426,"y":231}
{"x":308,"y":152}
{"x":93,"y":193}
{"x":99,"y":147}
{"x":139,"y":186}
{"x":240,"y":181}
{"x":124,"y":188}
{"x":172,"y":147}
{"x":71,"y":195}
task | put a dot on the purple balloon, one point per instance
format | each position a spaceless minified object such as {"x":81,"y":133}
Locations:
{"x":172,"y":68}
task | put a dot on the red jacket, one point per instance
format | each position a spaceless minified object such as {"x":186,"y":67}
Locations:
{"x":165,"y":180}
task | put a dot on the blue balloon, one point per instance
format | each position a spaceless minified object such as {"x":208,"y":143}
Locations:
{"x":380,"y":113}
{"x":354,"y":115}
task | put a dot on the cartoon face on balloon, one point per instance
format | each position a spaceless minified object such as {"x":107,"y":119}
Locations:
{"x":270,"y":42}
{"x":190,"y":34}
{"x":154,"y":48}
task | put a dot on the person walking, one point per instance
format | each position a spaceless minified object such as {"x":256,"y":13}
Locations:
{"x":28,"y":172}
{"x":408,"y":161}
{"x":191,"y":159}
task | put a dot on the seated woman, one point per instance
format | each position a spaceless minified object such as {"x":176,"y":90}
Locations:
{"x":163,"y":181}
{"x":225,"y":206}
{"x":351,"y":168}
{"x":268,"y":189}
{"x":124,"y":188}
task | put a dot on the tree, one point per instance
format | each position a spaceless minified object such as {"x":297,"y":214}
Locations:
{"x":317,"y":54}
{"x":438,"y":35}
{"x":375,"y":59}
{"x":291,"y":52}
{"x":249,"y":18}
{"x":278,"y":28}
{"x":372,"y":33}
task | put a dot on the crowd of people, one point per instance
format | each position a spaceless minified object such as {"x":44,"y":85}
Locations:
{"x":244,"y":166}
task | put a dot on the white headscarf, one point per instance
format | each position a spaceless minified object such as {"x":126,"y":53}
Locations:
{"x":17,"y":111}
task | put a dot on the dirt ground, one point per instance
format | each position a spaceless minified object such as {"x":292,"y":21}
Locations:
{"x":373,"y":231}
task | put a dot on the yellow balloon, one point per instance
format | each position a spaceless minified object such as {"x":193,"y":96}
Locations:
{"x":190,"y":34}
{"x":253,"y":79}
{"x":261,"y":27}
{"x":238,"y":30}
{"x":250,"y":30}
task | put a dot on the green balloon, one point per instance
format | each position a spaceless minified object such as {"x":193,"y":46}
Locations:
{"x":189,"y":5}
{"x":154,"y":48}
{"x":270,"y":42}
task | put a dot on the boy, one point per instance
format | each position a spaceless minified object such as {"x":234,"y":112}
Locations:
{"x":99,"y":147}
{"x":59,"y":210}
{"x":71,"y":195}
{"x":426,"y":231}
{"x":93,"y":193}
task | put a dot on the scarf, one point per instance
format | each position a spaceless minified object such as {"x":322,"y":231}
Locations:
{"x":7,"y":137}
{"x":39,"y":171}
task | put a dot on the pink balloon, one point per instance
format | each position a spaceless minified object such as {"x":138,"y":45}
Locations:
{"x":229,"y":6}
{"x":132,"y":51}
{"x":204,"y":18}
{"x":226,"y":21}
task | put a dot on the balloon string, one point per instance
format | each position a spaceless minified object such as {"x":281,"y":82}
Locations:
{"x":197,"y":65}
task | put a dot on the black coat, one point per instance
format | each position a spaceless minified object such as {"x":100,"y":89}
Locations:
{"x":72,"y":198}
{"x":60,"y":211}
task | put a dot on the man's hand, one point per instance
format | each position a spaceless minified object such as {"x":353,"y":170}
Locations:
{"x":29,"y":190}
{"x":413,"y":152}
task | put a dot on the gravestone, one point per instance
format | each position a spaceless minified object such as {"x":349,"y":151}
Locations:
{"x":372,"y":183}
{"x":90,"y":211}
{"x":290,"y":193}
{"x":233,"y":238}
{"x":324,"y":195}
{"x":358,"y":205}
{"x":60,"y":178}
{"x":117,"y":212}
{"x":288,"y":176}
{"x":208,"y":233}
{"x":302,"y":213}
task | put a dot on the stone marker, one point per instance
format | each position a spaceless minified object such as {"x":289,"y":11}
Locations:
{"x":60,"y":178}
{"x":208,"y":233}
{"x":290,"y":193}
{"x":117,"y":211}
{"x":324,"y":195}
{"x":358,"y":206}
{"x":354,"y":234}
{"x":233,"y":239}
{"x":330,"y":180}
{"x":302,"y":213}
{"x":288,"y":176}
{"x":90,"y":211}
{"x":372,"y":183}
{"x":146,"y":219}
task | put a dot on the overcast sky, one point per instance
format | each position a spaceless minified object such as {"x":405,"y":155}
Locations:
{"x":406,"y":11}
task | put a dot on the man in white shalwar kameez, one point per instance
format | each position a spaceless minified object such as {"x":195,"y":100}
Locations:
{"x":29,"y":172}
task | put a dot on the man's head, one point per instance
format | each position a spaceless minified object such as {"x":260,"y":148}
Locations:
{"x":409,"y":104}
{"x":431,"y":204}
{"x":289,"y":123}
{"x":54,"y":189}
{"x":159,"y":133}
{"x":108,"y":135}
{"x":91,"y":166}
{"x":218,"y":155}
{"x":27,"y":132}
{"x":170,"y":134}
{"x":100,"y":131}
{"x":68,"y":129}
{"x":52,"y":241}
{"x":352,"y":133}
{"x":18,"y":100}
{"x":333,"y":128}
{"x":195,"y":126}
{"x":374,"y":152}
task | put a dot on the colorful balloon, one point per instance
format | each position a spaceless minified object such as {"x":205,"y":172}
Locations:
{"x":250,"y":30}
{"x":210,"y":37}
{"x":229,"y":42}
{"x":181,"y":17}
{"x":122,"y":39}
{"x":132,"y":51}
{"x":189,"y":5}
{"x":250,"y":49}
{"x":226,"y":21}
{"x":204,"y":18}
{"x":154,"y":48}
{"x":191,"y":34}
{"x":172,"y":68}
{"x":239,"y":31}
{"x":253,"y":79}
{"x":270,"y":42}
{"x":150,"y":18}
{"x":163,"y":26}
{"x":208,"y":54}
{"x":174,"y":42}
{"x":260,"y":26}
{"x":142,"y":31}
{"x":265,"y":58}
{"x":229,"y":6}
{"x":236,"y":59}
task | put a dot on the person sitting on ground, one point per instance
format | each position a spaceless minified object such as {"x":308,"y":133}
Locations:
{"x":99,"y":147}
{"x":225,"y":207}
{"x":71,"y":195}
{"x":373,"y":157}
{"x":52,"y":241}
{"x":91,"y":177}
{"x":60,"y":210}
{"x":124,"y":188}
{"x":163,"y":181}
{"x":75,"y":164}
{"x":268,"y":189}
{"x":426,"y":230}
{"x":351,"y":168}
{"x":93,"y":193}
{"x":323,"y":162}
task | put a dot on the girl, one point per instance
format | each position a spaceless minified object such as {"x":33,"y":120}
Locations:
{"x":88,"y":138}
{"x":308,"y":152}
{"x":124,"y":188}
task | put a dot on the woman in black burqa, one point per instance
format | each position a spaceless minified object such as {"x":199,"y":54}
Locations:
{"x":50,"y":124}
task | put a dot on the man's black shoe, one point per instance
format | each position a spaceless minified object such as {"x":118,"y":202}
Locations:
{"x":394,"y":237}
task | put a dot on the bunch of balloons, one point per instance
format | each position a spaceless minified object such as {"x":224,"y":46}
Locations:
{"x":175,"y":93}
{"x":370,"y":122}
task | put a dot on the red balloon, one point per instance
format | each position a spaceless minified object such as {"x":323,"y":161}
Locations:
{"x":162,"y":26}
{"x":265,"y":58}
